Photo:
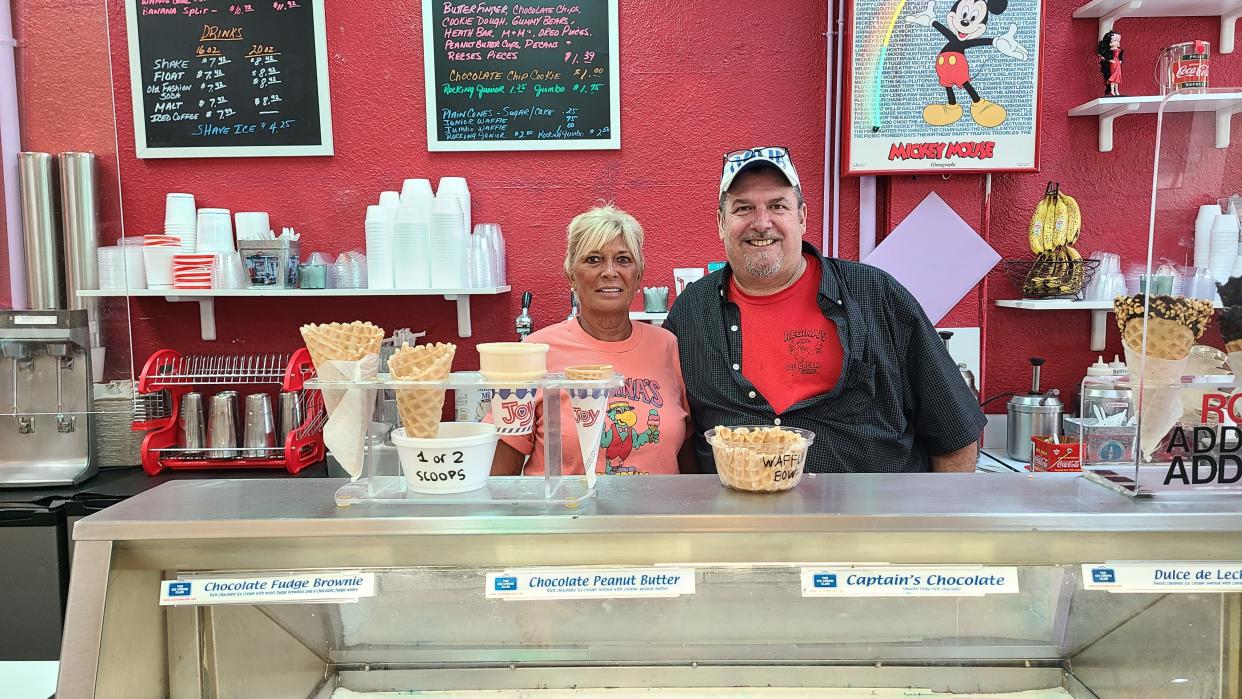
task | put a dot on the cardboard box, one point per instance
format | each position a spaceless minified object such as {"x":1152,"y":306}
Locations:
{"x":1066,"y":456}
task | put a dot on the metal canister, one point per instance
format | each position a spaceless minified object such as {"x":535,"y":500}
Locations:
{"x":1185,"y":66}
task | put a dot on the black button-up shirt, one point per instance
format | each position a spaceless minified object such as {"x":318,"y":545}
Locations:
{"x":900,"y":397}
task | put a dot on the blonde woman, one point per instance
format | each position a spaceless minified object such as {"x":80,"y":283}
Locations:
{"x":646,"y":420}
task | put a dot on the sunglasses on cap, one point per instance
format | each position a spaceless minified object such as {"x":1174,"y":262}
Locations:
{"x":741,"y":156}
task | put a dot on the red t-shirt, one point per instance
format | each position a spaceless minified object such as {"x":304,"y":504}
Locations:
{"x":790,"y":351}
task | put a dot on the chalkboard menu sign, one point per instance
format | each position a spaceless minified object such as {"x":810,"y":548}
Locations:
{"x":227,"y":78}
{"x":532,"y":75}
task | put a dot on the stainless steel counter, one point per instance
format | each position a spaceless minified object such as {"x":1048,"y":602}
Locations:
{"x":430,"y":626}
{"x":829,"y":502}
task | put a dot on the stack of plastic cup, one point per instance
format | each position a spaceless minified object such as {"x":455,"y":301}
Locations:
{"x":253,"y":225}
{"x":390,"y":201}
{"x":448,"y":245}
{"x":496,"y":241}
{"x":1203,"y":234}
{"x":411,"y":248}
{"x":180,"y":219}
{"x":417,"y":193}
{"x":215,"y":231}
{"x":1223,"y":246}
{"x":379,"y":224}
{"x":456,"y":187}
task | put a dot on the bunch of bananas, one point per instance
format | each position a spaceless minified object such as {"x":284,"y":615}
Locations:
{"x":1053,"y":231}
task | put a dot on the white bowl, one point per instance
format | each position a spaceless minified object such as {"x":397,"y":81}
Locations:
{"x":457,"y":460}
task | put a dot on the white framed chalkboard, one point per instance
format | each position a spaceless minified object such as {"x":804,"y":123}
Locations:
{"x":532,"y":75}
{"x":227,"y":78}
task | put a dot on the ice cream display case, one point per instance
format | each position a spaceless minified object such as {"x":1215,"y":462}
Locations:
{"x":850,"y":585}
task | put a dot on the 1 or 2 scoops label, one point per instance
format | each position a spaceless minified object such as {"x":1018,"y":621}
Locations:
{"x":583,"y":583}
{"x":908,"y":581}
{"x":1212,"y":576}
{"x":332,"y":586}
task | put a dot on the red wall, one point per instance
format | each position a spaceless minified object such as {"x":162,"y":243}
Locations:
{"x":697,"y":79}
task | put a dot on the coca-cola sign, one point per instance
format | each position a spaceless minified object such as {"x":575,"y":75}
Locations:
{"x":1194,"y":70}
{"x":1184,"y":66}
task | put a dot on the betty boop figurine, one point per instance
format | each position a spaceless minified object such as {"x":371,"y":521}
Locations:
{"x":1111,"y":56}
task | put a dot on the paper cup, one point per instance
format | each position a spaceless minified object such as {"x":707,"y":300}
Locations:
{"x":588,"y":408}
{"x":682,"y":276}
{"x":513,"y":410}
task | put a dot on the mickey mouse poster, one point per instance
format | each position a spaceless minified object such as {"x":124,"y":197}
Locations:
{"x":943,"y":86}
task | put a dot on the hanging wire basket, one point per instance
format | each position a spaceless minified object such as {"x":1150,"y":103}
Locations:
{"x":1047,"y":278}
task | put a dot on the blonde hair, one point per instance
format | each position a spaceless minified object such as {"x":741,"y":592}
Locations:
{"x":592,"y":230}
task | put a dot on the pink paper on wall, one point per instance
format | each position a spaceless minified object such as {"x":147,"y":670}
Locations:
{"x":936,"y":255}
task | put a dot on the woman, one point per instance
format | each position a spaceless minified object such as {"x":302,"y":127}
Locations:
{"x":646,"y":421}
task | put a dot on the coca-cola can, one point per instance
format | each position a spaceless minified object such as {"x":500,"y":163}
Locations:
{"x":1185,"y":67}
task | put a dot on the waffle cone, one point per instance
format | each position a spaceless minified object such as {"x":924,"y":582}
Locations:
{"x":1166,"y":339}
{"x":589,"y":372}
{"x":421,"y":408}
{"x":341,"y":341}
{"x":1233,"y":346}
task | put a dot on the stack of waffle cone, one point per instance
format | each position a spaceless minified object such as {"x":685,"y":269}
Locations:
{"x":341,"y":342}
{"x":421,"y":408}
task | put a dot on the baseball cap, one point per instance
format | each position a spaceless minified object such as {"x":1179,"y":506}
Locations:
{"x":739,"y":161}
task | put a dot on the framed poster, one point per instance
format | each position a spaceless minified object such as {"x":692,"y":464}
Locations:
{"x":216,"y":78}
{"x":942,"y":86}
{"x":539,"y":75}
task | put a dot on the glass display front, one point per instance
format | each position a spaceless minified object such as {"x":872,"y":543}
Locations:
{"x":744,"y":627}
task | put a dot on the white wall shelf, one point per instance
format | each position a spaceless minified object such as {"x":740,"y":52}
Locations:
{"x":1099,"y":313}
{"x":653,"y":318}
{"x":1109,"y":11}
{"x":1108,"y":109}
{"x":206,"y":299}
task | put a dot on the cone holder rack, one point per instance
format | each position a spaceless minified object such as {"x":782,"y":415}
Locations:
{"x":382,"y":481}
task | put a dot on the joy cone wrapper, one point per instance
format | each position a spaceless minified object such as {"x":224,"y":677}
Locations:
{"x":346,"y":352}
{"x":588,"y":406}
{"x":421,"y":408}
{"x":1173,"y":325}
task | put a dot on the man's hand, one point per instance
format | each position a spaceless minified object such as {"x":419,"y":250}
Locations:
{"x":1008,"y":44}
{"x":963,"y":460}
{"x":926,"y":17}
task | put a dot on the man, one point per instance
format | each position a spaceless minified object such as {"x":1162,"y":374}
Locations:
{"x":784,"y":336}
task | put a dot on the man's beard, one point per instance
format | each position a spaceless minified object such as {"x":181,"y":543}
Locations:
{"x":758,"y":264}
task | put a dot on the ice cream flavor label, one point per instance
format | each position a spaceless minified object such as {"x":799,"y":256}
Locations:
{"x":908,"y":581}
{"x":1163,"y":577}
{"x":328,"y":586}
{"x":588,"y":583}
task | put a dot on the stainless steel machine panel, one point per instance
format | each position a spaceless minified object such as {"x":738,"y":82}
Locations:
{"x":46,"y":420}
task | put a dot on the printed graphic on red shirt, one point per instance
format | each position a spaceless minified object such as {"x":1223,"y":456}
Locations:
{"x":806,"y":352}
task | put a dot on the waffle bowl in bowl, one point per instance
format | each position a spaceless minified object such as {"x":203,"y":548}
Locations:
{"x":759,"y":458}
